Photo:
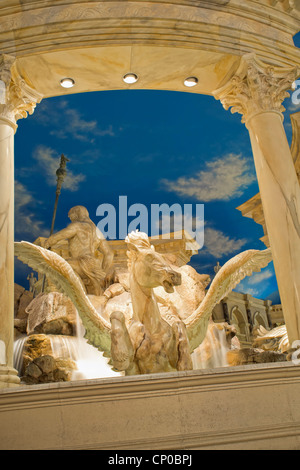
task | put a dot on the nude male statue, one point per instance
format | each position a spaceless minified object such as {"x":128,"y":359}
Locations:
{"x":90,"y":255}
{"x":32,"y":281}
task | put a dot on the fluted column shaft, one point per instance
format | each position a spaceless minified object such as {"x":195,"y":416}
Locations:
{"x":257,"y":92}
{"x":16,"y":100}
{"x":280,"y":195}
{"x":8,"y":375}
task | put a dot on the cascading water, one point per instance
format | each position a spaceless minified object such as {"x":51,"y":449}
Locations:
{"x":212,"y":352}
{"x":18,"y":353}
{"x":89,"y":361}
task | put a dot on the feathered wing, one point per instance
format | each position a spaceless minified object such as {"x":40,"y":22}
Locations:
{"x":233,"y":272}
{"x":67,"y":282}
{"x":278,"y":335}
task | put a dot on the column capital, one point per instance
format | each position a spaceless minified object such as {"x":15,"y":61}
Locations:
{"x":17,"y":98}
{"x":257,"y":88}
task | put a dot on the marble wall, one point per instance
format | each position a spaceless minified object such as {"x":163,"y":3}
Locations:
{"x":246,"y":407}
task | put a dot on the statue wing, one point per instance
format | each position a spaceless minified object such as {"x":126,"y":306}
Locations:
{"x":233,"y":272}
{"x":67,"y":282}
{"x":278,"y":335}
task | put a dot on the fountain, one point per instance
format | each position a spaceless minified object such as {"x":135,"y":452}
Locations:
{"x":212,"y":352}
{"x":90,"y":362}
{"x":59,"y":358}
{"x":151,"y":324}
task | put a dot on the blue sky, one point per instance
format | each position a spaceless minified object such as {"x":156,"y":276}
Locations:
{"x":152,"y":146}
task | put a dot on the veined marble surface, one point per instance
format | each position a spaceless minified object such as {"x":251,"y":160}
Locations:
{"x":6,"y":238}
{"x":96,"y":43}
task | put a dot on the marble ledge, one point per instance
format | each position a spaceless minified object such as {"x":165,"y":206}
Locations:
{"x":243,"y":375}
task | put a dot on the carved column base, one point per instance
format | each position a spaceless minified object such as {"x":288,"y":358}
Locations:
{"x":8,"y":377}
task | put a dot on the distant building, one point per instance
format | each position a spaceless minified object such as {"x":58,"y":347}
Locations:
{"x":247,"y":313}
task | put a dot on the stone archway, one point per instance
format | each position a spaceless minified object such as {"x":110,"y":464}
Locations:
{"x":241,"y":52}
{"x":239,"y":320}
{"x":259,"y":319}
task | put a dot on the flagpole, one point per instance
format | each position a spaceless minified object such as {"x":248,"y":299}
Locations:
{"x":61,"y":173}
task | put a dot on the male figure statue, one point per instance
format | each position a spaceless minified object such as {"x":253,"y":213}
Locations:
{"x":90,"y":255}
{"x":32,"y":281}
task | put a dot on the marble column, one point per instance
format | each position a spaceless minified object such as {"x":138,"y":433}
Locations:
{"x":268,"y":304}
{"x":225,"y":310}
{"x":16,"y":101}
{"x":257,"y":91}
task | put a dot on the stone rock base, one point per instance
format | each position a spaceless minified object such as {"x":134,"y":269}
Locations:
{"x":22,"y":299}
{"x":41,"y":365}
{"x":240,"y":357}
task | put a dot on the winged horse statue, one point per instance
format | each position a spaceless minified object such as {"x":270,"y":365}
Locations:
{"x":146,"y":340}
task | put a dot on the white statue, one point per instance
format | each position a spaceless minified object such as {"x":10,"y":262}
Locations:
{"x":90,"y":255}
{"x":32,"y":282}
{"x":147,"y":340}
{"x":272,"y":340}
{"x":217,"y":267}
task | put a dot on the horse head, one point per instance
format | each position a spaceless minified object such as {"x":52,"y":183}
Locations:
{"x":149,"y":267}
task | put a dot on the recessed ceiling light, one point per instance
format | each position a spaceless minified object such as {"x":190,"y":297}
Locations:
{"x":190,"y":81}
{"x":130,"y":78}
{"x":67,"y":82}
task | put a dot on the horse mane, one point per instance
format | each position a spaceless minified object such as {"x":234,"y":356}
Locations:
{"x":138,"y":239}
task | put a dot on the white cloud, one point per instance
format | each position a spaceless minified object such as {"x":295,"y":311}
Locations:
{"x":221,"y":179}
{"x":260,"y":277}
{"x":256,"y":284}
{"x":67,"y":122}
{"x":244,"y":289}
{"x":217,"y":244}
{"x":48,"y":160}
{"x":26,"y":223}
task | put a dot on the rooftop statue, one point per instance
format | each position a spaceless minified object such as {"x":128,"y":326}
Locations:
{"x":90,"y":256}
{"x":217,"y":267}
{"x":32,"y":281}
{"x":146,"y":338}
